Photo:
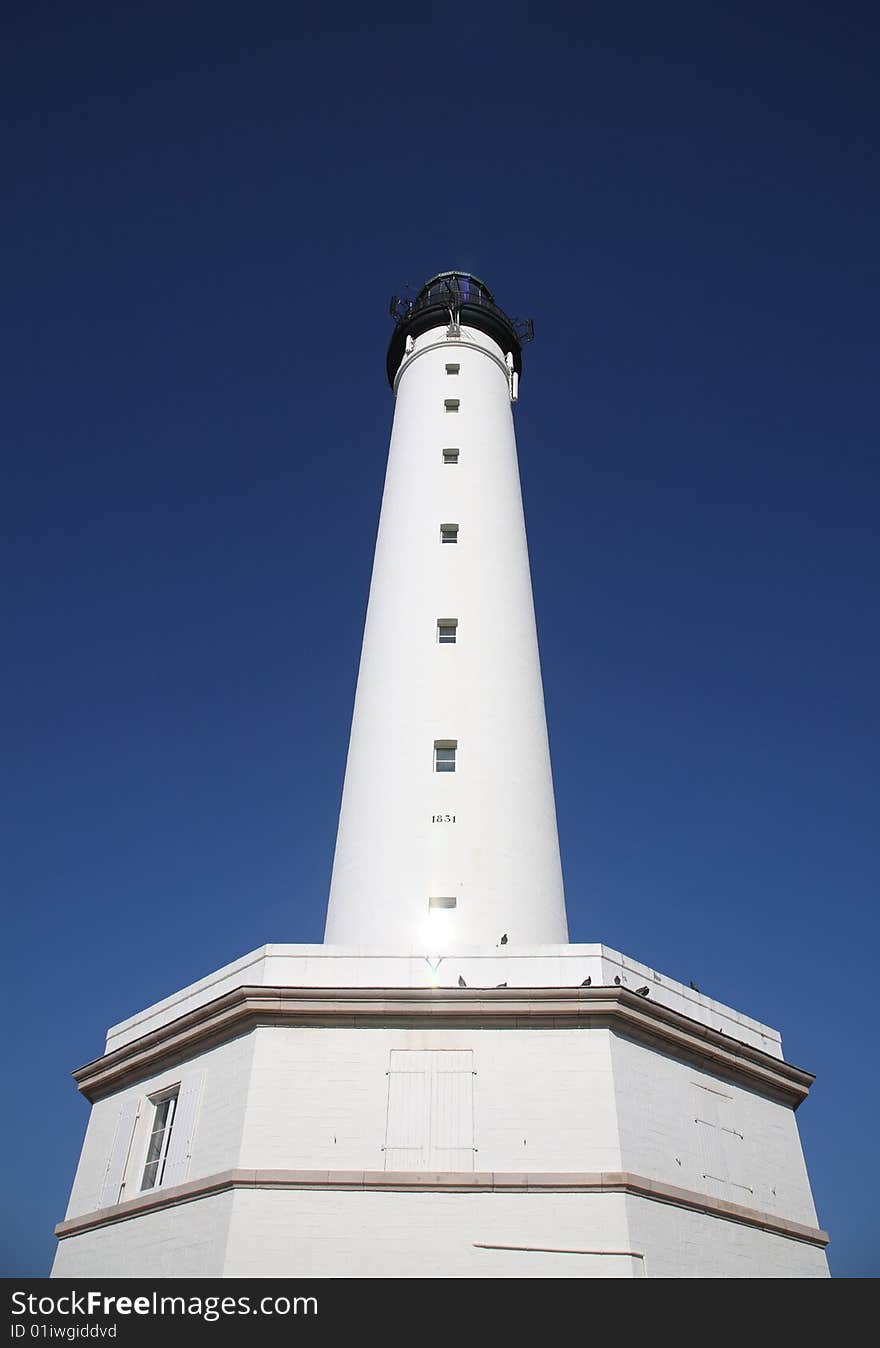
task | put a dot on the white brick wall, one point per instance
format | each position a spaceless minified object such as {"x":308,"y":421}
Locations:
{"x":683,"y":1244}
{"x":266,"y":1234}
{"x":183,"y":1242}
{"x":659,"y":1136}
{"x":542,"y":1098}
{"x":396,"y":1235}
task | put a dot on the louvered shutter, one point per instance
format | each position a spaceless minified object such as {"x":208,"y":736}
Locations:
{"x":451,"y":1143}
{"x":407,"y":1127}
{"x":430,"y":1110}
{"x":183,"y":1127}
{"x":115,"y":1172}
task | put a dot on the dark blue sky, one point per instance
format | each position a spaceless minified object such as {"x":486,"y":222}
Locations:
{"x":205,"y":211}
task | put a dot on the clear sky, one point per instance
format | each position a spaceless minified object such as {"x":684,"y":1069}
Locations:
{"x":206,"y":208}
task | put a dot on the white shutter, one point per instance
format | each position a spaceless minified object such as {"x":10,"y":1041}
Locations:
{"x":430,"y":1110}
{"x":452,"y":1111}
{"x":733,"y":1147}
{"x":182,"y":1130}
{"x":711,"y":1149}
{"x":407,"y":1125}
{"x":722,"y":1145}
{"x":115,"y":1172}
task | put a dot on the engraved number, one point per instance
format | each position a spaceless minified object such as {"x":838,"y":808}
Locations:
{"x":442,"y":818}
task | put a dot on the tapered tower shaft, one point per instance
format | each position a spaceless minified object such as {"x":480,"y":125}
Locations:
{"x":447,"y":831}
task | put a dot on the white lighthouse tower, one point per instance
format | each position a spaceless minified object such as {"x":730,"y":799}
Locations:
{"x":447,"y":833}
{"x":446,"y":1087}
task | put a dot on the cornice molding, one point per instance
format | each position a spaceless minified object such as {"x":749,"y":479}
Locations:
{"x":614,"y":1008}
{"x":463,"y":1182}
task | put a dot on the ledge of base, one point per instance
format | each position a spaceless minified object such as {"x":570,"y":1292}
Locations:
{"x":541,"y":966}
{"x":463,"y":1182}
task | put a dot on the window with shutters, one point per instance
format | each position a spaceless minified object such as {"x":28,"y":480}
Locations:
{"x":153,"y":1141}
{"x":430,"y":1117}
{"x":161,"y":1128}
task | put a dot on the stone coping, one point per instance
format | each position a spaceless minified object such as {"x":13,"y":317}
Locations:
{"x":310,"y":965}
{"x":424,"y":1182}
{"x":615,"y":1008}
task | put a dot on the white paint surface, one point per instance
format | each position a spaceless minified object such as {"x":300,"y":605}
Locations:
{"x":499,"y":859}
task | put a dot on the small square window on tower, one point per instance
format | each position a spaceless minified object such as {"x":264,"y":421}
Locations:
{"x":453,"y":369}
{"x":447,"y":631}
{"x":448,"y":533}
{"x":444,"y":755}
{"x":442,"y":901}
{"x":451,"y":404}
{"x":450,"y":456}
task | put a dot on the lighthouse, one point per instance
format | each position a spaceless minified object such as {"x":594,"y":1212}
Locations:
{"x":447,"y":832}
{"x":446,"y":1087}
